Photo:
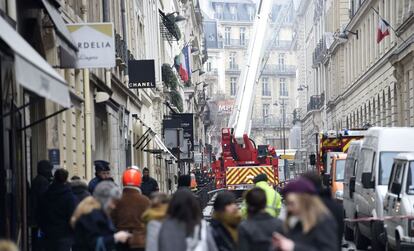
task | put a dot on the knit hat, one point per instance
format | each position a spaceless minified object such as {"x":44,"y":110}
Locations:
{"x":260,"y":177}
{"x":101,"y":165}
{"x":300,"y":185}
{"x":184,"y":181}
{"x":224,"y":199}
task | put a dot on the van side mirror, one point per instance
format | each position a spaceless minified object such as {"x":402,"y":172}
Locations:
{"x":326,"y":179}
{"x":396,"y":189}
{"x":351,"y":187}
{"x":367,"y":182}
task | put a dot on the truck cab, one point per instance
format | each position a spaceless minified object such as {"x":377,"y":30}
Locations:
{"x":337,"y":174}
{"x":399,"y":202}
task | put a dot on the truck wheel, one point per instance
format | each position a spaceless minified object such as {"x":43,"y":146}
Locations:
{"x":348,"y":233}
{"x":376,"y":231}
{"x":361,"y":242}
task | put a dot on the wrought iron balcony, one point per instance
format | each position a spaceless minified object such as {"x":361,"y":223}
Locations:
{"x":320,"y":52}
{"x":276,"y":69}
{"x":282,"y":44}
{"x":236,"y":43}
{"x":316,"y":102}
{"x":233,"y":69}
{"x":271,"y":122}
{"x":168,"y":28}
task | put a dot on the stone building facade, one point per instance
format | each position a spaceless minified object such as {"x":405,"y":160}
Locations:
{"x":73,"y":127}
{"x":355,"y":81}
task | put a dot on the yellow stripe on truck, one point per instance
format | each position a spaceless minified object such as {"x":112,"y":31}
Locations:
{"x":245,"y":175}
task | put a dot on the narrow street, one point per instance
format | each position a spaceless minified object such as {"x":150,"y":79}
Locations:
{"x":198,"y":125}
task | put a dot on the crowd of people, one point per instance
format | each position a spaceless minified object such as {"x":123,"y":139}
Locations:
{"x":71,"y":215}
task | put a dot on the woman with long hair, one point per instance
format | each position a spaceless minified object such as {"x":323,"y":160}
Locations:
{"x":309,"y":225}
{"x":255,"y":233}
{"x":184,"y":229}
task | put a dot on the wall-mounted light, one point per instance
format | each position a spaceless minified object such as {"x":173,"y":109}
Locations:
{"x":303,"y":87}
{"x":177,"y":17}
{"x":101,"y":97}
{"x":344,"y":34}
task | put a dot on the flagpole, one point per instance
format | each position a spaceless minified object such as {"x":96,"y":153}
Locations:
{"x":392,"y":28}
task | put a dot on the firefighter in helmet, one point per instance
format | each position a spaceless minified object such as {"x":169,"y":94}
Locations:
{"x":127,"y":215}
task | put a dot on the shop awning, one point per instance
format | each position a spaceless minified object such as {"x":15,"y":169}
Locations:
{"x":67,"y":46}
{"x":32,"y":71}
{"x":161,"y":145}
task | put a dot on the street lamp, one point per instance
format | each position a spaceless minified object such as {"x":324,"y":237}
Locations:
{"x":200,"y":71}
{"x":303,"y":87}
{"x":283,"y":106}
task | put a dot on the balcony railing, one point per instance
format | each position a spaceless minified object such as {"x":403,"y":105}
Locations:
{"x":233,"y":69}
{"x":236,"y":43}
{"x":275,"y":69}
{"x":282,"y":44}
{"x":320,"y":52}
{"x":316,"y":102}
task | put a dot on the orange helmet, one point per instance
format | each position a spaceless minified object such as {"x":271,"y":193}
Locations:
{"x":132,"y":177}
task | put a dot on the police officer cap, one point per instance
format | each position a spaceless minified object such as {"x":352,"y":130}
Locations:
{"x":260,"y":177}
{"x":101,"y":165}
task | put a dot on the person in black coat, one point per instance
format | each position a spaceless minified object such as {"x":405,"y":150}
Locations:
{"x":57,"y":206}
{"x":39,"y":186}
{"x":226,"y":218}
{"x":149,"y":184}
{"x":309,"y":225}
{"x":79,"y":188}
{"x":255,"y":233}
{"x":91,"y":220}
{"x":336,"y":208}
{"x":102,"y":172}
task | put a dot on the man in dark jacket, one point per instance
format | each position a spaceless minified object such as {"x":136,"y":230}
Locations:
{"x":57,"y":206}
{"x":336,"y":209}
{"x":102,"y":172}
{"x":149,"y":184}
{"x":225,"y":220}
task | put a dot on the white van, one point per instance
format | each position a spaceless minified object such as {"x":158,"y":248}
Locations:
{"x":379,"y":147}
{"x":351,"y":166}
{"x":399,"y":201}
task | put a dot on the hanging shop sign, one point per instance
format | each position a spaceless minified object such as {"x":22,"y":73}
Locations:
{"x":96,"y":44}
{"x":141,"y":74}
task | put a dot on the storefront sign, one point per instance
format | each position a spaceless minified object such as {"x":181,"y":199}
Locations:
{"x":225,"y":106}
{"x":141,"y":74}
{"x":95,"y":43}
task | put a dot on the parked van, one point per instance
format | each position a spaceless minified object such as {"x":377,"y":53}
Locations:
{"x":379,"y":148}
{"x":337,"y":175}
{"x":399,"y":201}
{"x":351,"y":166}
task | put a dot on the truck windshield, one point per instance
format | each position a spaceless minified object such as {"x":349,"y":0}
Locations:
{"x":385,"y":165}
{"x":340,"y":170}
{"x":410,"y":179}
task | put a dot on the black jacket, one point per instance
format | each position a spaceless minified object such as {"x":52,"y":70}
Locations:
{"x":222,"y":237}
{"x":337,"y":211}
{"x":79,"y":189}
{"x":39,"y":186}
{"x":57,"y":206}
{"x":255,"y":233}
{"x":148,"y":186}
{"x":91,"y":223}
{"x":322,"y":237}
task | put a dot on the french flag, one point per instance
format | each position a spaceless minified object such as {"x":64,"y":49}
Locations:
{"x":383,"y":30}
{"x":184,"y":68}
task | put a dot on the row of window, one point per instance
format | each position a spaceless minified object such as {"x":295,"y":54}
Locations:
{"x":227,"y":36}
{"x":266,"y":89}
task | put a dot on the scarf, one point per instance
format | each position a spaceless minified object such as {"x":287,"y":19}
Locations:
{"x":155,"y":213}
{"x":230,"y":222}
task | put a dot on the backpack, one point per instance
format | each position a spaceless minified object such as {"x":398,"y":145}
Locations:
{"x":198,"y":241}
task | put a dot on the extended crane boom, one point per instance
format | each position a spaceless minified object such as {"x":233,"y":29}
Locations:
{"x":240,"y":120}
